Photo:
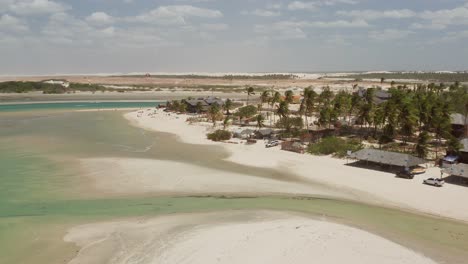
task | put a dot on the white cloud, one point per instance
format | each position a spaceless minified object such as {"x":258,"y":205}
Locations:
{"x":427,"y":26}
{"x":298,"y":5}
{"x":100,"y":18}
{"x":214,"y":27}
{"x":375,"y":14}
{"x":265,"y":13}
{"x":109,"y":31}
{"x":296,"y":29}
{"x":337,"y":2}
{"x":36,"y":7}
{"x":175,"y":14}
{"x":276,"y":6}
{"x":281,"y":30}
{"x":312,"y":5}
{"x":438,"y":19}
{"x":389,"y":34}
{"x":445,"y":17}
{"x":357,"y":23}
{"x":12,"y":24}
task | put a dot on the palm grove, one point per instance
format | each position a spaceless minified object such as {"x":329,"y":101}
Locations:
{"x":415,"y":120}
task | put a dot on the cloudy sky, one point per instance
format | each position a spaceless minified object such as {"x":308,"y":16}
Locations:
{"x":108,"y":36}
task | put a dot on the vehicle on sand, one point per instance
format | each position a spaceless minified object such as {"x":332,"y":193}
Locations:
{"x":434,"y":182}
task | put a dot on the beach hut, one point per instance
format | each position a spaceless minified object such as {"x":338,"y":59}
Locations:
{"x":243,"y":133}
{"x":464,"y":151}
{"x":316,"y":132}
{"x":293,"y":145}
{"x":459,"y":125}
{"x":387,"y":158}
{"x":459,"y":169}
{"x":265,"y":133}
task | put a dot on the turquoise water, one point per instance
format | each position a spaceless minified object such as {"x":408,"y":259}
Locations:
{"x":75,"y":105}
{"x":42,"y":191}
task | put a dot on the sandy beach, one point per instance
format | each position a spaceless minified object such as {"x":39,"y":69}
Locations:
{"x":365,"y":185}
{"x":144,"y":176}
{"x":233,"y":237}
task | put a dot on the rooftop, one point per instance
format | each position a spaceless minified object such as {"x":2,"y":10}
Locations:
{"x":464,"y":143}
{"x":387,"y":157}
{"x":458,"y":119}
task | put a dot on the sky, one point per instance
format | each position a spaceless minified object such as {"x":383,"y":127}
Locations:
{"x":123,"y":36}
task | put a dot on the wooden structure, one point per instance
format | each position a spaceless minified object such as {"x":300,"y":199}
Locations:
{"x":317,"y":132}
{"x":463,"y":156}
{"x":293,"y":145}
{"x":459,"y":169}
{"x":459,"y":125}
{"x":387,"y":157}
{"x":205,"y":103}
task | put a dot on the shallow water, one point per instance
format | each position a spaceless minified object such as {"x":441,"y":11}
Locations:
{"x":78,"y":105}
{"x":42,"y":193}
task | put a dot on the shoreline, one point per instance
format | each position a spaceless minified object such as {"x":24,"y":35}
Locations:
{"x":234,"y":237}
{"x":369,"y":186}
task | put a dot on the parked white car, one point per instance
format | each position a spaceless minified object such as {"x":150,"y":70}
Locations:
{"x":273,"y":143}
{"x":434,"y":182}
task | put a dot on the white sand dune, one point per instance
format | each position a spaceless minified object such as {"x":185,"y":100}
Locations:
{"x":366,"y":185}
{"x":232,"y":238}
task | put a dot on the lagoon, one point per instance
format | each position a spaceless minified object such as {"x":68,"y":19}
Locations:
{"x":42,"y":191}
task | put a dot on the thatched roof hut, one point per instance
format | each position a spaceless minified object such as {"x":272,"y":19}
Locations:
{"x":459,"y":169}
{"x":387,"y":157}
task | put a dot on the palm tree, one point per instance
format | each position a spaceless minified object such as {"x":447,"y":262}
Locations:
{"x":260,"y":121}
{"x":227,"y":106}
{"x":421,"y":147}
{"x":324,"y":116}
{"x":378,"y":118}
{"x":250,"y":91}
{"x":309,"y":101}
{"x":302,"y":109}
{"x":407,"y":120}
{"x":226,"y":122}
{"x":214,"y":111}
{"x":182,"y":108}
{"x":356,"y":102}
{"x":283,"y":109}
{"x":453,"y":145}
{"x":325,"y":96}
{"x":265,"y":96}
{"x":289,"y":96}
{"x":276,"y":99}
{"x":199,"y":107}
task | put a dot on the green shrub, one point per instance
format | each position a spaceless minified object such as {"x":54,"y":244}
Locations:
{"x":247,"y":111}
{"x":334,"y":145}
{"x":219,"y":135}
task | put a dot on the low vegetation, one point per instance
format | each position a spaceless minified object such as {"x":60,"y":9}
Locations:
{"x":219,"y":135}
{"x":247,"y":111}
{"x":334,"y":146}
{"x":48,"y":88}
{"x":24,"y":87}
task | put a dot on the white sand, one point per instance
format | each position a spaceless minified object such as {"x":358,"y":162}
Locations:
{"x":232,"y":238}
{"x":366,"y":185}
{"x":137,"y":176}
